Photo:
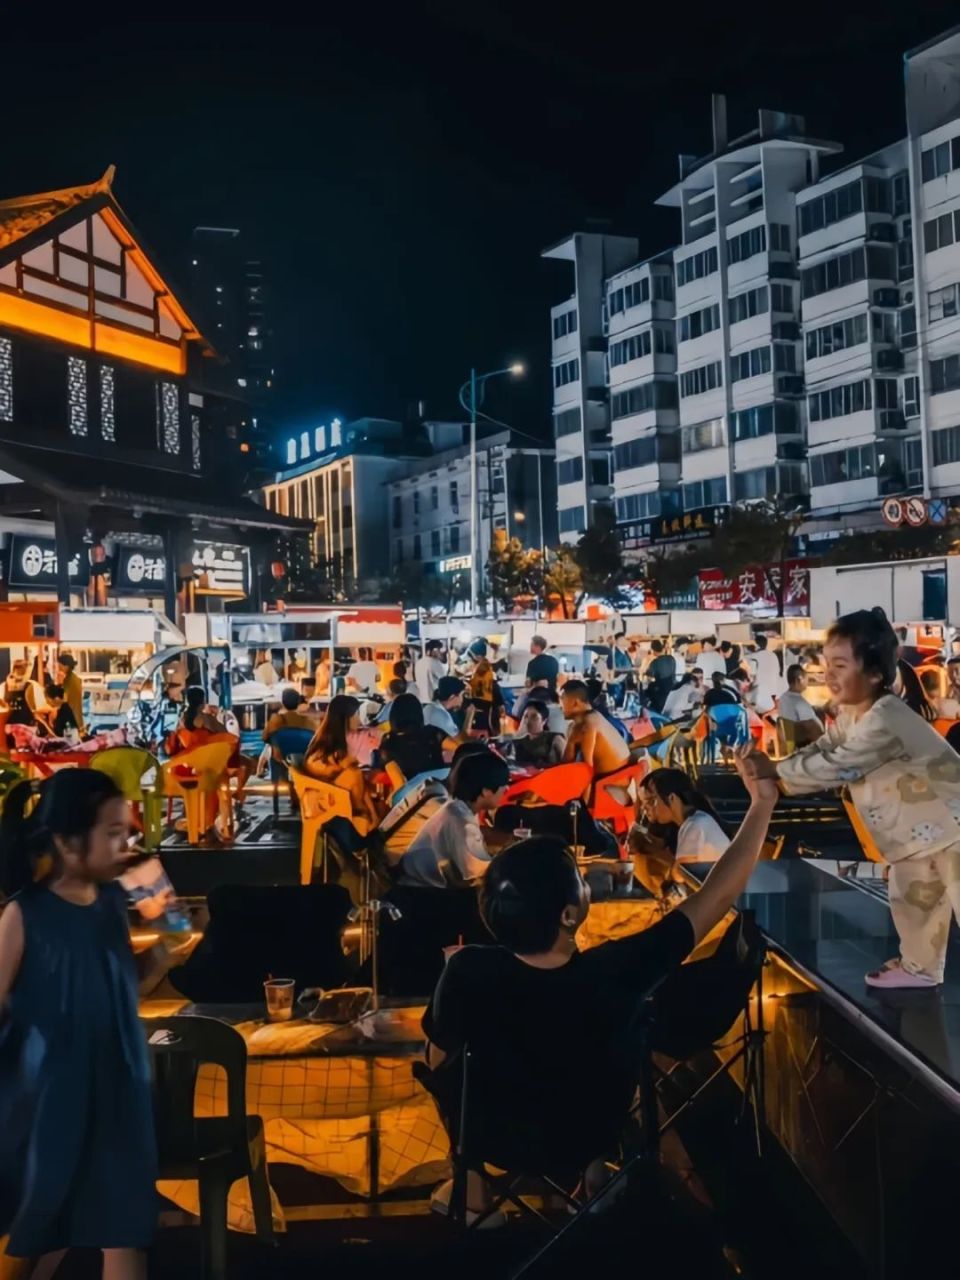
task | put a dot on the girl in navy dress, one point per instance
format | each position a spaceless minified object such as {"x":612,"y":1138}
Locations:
{"x":77,"y":1151}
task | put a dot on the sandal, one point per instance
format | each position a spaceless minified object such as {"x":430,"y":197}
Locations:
{"x":893,"y":976}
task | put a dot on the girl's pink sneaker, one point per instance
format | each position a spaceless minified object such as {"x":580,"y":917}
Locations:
{"x":894,"y":976}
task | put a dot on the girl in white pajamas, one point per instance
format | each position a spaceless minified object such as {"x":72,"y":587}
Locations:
{"x":905,"y":782}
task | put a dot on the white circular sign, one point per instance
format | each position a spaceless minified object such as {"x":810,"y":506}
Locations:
{"x":136,"y":567}
{"x":31,"y":560}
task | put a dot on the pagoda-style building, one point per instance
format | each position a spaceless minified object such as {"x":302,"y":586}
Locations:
{"x":114,"y":450}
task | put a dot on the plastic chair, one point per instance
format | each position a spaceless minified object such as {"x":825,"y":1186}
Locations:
{"x":194,"y":775}
{"x":606,"y":805}
{"x":728,"y":727}
{"x":862,"y":832}
{"x":215,"y":1150}
{"x":291,"y":744}
{"x":557,"y":785}
{"x":128,"y":766}
{"x":319,"y":802}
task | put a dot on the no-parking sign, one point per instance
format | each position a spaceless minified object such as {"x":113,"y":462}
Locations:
{"x":915,"y":510}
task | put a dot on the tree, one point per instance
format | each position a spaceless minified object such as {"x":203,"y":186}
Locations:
{"x":508,"y":569}
{"x":904,"y":543}
{"x":600,"y":560}
{"x":665,"y":574}
{"x":562,"y":580}
{"x":760,"y":534}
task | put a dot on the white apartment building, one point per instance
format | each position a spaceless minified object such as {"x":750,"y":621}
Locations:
{"x":429,"y":503}
{"x":816,"y":317}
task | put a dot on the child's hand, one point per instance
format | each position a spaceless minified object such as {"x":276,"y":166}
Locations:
{"x":758,"y":773}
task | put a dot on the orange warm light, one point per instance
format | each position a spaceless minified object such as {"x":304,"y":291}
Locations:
{"x":36,"y":317}
{"x":149,"y":271}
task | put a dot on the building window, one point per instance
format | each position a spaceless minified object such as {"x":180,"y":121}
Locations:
{"x":940,"y":232}
{"x":781,"y":298}
{"x":945,"y":375}
{"x":753,"y":303}
{"x":435,"y":542}
{"x":454,"y":538}
{"x":703,"y":435}
{"x":196,"y":452}
{"x":291,"y":452}
{"x":571,"y":520}
{"x":566,"y":423}
{"x":640,"y":453}
{"x":883,"y":327}
{"x":570,"y":470}
{"x":750,"y":364}
{"x":454,"y":496}
{"x":764,"y":419}
{"x":6,"y":380}
{"x":834,"y":206}
{"x":434,"y":498}
{"x":941,"y":159}
{"x":77,"y":395}
{"x":837,"y":402}
{"x":697,"y":323}
{"x":565,"y":373}
{"x":780,"y":237}
{"x":907,"y":318}
{"x":639,"y":506}
{"x":416,"y":502}
{"x":497,"y":479}
{"x":662,"y":287}
{"x":758,"y":483}
{"x":397,"y":511}
{"x":876,"y":262}
{"x":697,"y":266}
{"x":946,"y":446}
{"x":911,"y":397}
{"x":706,"y":377}
{"x":640,"y":344}
{"x":417,"y":549}
{"x":843,"y":465}
{"x":836,"y":337}
{"x":900,"y":184}
{"x":658,"y":393}
{"x":629,"y":295}
{"x":108,"y":421}
{"x":398,"y":551}
{"x":705,"y":493}
{"x":170,"y":417}
{"x":745,"y":245}
{"x":942,"y":303}
{"x":565,"y":323}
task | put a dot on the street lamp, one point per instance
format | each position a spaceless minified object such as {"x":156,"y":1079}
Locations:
{"x":471,"y":397}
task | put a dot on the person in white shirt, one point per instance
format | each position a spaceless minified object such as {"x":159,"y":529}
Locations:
{"x":449,"y":851}
{"x":364,"y":674}
{"x":687,"y":695}
{"x":265,"y":672}
{"x":792,"y":705}
{"x":710,"y":660}
{"x":768,"y":679}
{"x":428,"y":670}
{"x":447,"y":698}
{"x":673,"y":800}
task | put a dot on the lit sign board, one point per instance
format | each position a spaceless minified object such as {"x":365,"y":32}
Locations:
{"x":456,"y":562}
{"x":33,"y":563}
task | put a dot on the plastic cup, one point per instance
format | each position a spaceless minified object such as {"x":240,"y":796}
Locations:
{"x":279,"y":997}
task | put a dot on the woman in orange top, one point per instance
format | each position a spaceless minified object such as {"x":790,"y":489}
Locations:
{"x":329,"y":758}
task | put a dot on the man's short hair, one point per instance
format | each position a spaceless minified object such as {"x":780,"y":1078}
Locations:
{"x":761,"y":640}
{"x":433,"y":645}
{"x":53,"y":691}
{"x":525,"y":891}
{"x":696,"y":671}
{"x":656,"y":646}
{"x":711,"y":641}
{"x":290,"y":699}
{"x":726,"y":647}
{"x":478,"y":772}
{"x":67,"y":661}
{"x":539,"y":642}
{"x":794,"y":673}
{"x":396,"y":687}
{"x":576,"y":689}
{"x":448,"y":687}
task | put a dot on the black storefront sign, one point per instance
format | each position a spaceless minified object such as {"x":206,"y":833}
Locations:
{"x":702,"y":522}
{"x":219,"y":567}
{"x":32,"y":564}
{"x":139,"y":569}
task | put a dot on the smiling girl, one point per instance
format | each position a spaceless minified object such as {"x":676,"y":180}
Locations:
{"x":905,"y":782}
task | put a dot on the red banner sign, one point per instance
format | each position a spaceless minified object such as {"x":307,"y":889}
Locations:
{"x":755,"y":590}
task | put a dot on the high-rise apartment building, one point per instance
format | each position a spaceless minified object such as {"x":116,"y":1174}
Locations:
{"x":802,"y":341}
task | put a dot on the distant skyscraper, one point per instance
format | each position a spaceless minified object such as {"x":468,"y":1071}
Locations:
{"x":227,"y":289}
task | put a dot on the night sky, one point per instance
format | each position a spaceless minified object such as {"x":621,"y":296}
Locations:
{"x":399,"y":168}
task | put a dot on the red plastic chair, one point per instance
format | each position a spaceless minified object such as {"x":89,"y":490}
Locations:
{"x":557,"y":785}
{"x":606,"y":805}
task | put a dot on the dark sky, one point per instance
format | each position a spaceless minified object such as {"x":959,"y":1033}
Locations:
{"x":399,"y":168}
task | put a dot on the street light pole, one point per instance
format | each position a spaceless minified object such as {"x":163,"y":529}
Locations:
{"x":474,"y":517}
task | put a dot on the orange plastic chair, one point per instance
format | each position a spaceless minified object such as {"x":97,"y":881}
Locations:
{"x":319,"y":802}
{"x":194,"y":776}
{"x":558,"y":785}
{"x":869,"y":845}
{"x":606,"y":805}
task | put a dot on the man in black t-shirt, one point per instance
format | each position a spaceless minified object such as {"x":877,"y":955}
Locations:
{"x":543,"y":668}
{"x":548,"y":1026}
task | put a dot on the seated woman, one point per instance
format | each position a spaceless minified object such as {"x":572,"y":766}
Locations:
{"x":535,"y":745}
{"x":196,"y":725}
{"x":547,"y":1023}
{"x":329,"y":759}
{"x":683,"y":819}
{"x":414,"y":747}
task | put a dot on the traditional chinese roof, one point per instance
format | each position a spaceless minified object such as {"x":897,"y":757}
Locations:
{"x":27,"y":221}
{"x":97,"y":482}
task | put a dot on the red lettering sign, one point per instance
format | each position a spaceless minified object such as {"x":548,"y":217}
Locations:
{"x":755,"y":589}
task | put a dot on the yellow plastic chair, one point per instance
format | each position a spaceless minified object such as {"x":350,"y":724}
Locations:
{"x":207,"y":767}
{"x":128,"y":766}
{"x":869,"y":845}
{"x":395,"y":774}
{"x":319,"y":802}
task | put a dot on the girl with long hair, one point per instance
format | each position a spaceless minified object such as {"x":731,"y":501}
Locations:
{"x":330,"y":759}
{"x":77,"y":1150}
{"x":674,"y":804}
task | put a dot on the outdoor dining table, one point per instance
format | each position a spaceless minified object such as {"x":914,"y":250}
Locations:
{"x":335,"y":1101}
{"x":43,"y":763}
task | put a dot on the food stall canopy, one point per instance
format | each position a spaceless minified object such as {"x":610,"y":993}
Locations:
{"x":679,"y":622}
{"x":118,"y":628}
{"x":568,"y":635}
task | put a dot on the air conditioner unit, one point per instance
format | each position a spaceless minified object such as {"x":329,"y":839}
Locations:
{"x":886,"y":298}
{"x":882,"y":231}
{"x":906,"y":297}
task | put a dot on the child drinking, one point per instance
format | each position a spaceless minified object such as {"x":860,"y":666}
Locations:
{"x":77,"y":1151}
{"x":905,"y":782}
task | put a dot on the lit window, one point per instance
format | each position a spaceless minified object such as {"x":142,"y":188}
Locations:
{"x":335,"y":426}
{"x":291,"y":451}
{"x":219,"y":289}
{"x":77,"y":395}
{"x":170,"y":416}
{"x":6,"y":380}
{"x":108,"y":425}
{"x":320,"y":439}
{"x":305,"y":444}
{"x":241,"y":382}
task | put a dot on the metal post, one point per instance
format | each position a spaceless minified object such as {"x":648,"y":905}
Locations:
{"x":473,"y":493}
